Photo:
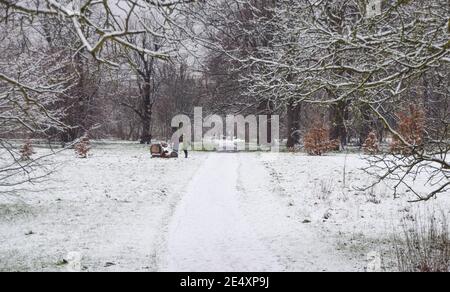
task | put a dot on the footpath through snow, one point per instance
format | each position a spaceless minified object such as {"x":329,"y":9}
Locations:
{"x":233,"y":218}
{"x":209,"y":232}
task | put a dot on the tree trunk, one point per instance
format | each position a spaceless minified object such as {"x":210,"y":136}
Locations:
{"x":366,"y":126}
{"x":338,"y":116}
{"x":293,"y":123}
{"x":146,"y":136}
{"x":265,"y":108}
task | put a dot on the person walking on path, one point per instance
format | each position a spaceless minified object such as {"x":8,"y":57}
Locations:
{"x":184,"y":146}
{"x":180,"y":143}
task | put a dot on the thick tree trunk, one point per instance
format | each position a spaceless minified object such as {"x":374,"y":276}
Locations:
{"x":265,"y":108}
{"x":365,"y":125}
{"x":293,"y":123}
{"x":338,"y":116}
{"x":146,"y":136}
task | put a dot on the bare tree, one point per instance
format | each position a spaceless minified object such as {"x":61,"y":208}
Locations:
{"x":147,"y":77}
{"x":48,"y":83}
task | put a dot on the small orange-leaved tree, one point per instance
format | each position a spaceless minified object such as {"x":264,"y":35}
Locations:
{"x":317,"y":140}
{"x":411,"y":130}
{"x":26,"y":151}
{"x":83,"y":147}
{"x":371,"y":145}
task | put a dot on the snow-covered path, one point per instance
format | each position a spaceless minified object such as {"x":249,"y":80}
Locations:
{"x":209,"y":231}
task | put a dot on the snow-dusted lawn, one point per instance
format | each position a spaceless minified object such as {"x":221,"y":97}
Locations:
{"x":212,"y":212}
{"x":113,"y":208}
{"x":359,"y":222}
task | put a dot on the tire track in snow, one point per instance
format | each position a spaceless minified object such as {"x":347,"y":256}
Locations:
{"x":209,"y":232}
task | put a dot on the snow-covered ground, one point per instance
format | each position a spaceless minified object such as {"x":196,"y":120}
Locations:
{"x":122,"y":211}
{"x":113,"y":208}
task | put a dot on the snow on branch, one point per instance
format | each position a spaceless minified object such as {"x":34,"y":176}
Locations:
{"x":110,"y":22}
